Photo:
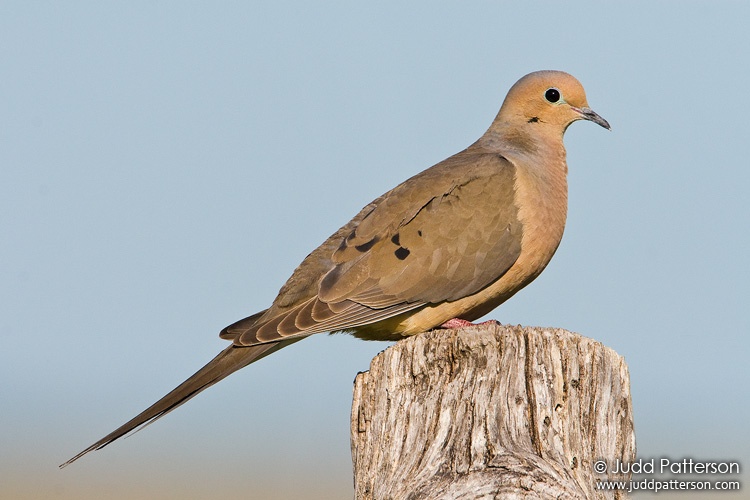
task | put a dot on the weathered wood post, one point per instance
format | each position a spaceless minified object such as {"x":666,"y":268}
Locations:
{"x":490,"y":411}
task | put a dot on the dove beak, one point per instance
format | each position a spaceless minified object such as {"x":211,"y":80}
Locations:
{"x":590,"y":115}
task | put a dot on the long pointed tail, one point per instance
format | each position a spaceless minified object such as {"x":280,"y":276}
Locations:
{"x":228,"y":361}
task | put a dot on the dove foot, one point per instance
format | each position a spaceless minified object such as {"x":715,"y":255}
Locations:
{"x":460,"y":323}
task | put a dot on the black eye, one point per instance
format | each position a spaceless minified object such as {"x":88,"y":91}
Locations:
{"x":552,"y":95}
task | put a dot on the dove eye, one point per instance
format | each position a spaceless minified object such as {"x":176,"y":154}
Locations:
{"x":552,"y":95}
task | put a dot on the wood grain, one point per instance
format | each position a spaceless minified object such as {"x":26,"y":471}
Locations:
{"x":490,"y":411}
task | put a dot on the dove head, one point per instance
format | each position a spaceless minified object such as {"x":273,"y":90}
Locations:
{"x":550,"y":100}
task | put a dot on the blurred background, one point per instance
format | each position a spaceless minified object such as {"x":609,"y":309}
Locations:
{"x":164,"y":166}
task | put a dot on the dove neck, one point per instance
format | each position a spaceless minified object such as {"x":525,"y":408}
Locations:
{"x":525,"y":143}
{"x":539,"y":155}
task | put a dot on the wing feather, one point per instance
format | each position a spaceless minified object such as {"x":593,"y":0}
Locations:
{"x":444,"y":234}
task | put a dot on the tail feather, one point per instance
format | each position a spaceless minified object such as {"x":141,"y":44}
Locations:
{"x":227,"y":362}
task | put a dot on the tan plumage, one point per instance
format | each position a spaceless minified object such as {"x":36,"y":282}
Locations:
{"x":454,"y":241}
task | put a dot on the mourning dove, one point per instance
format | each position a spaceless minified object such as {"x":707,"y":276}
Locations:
{"x":444,"y":248}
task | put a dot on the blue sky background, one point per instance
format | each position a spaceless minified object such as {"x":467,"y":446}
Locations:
{"x":164,"y":166}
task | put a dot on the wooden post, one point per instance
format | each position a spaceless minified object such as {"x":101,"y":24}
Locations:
{"x":491,"y":411}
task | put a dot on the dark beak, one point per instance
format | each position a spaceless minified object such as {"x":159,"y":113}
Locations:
{"x":590,"y":115}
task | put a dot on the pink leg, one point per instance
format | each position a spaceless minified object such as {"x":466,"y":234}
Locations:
{"x":460,"y":323}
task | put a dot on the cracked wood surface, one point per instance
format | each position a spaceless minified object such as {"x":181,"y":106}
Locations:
{"x":490,"y":411}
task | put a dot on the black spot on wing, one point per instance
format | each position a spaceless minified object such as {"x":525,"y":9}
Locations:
{"x":402,"y":253}
{"x":395,"y":239}
{"x":366,"y":246}
{"x":533,"y":119}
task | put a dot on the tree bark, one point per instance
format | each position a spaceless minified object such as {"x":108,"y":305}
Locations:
{"x":491,"y":411}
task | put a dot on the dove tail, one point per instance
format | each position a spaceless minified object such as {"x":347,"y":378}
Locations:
{"x":227,"y":362}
